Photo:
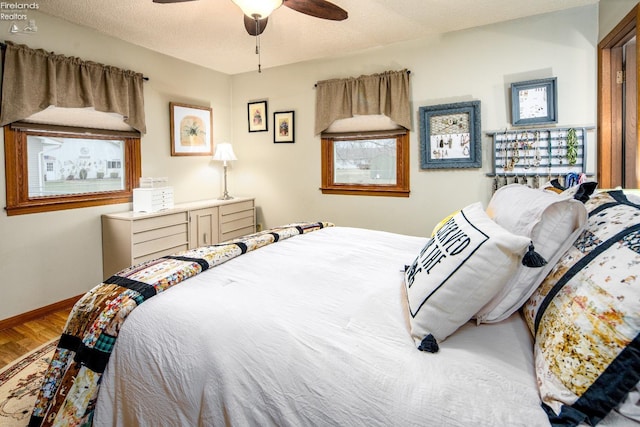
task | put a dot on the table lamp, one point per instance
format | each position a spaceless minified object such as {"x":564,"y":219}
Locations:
{"x":224,"y":153}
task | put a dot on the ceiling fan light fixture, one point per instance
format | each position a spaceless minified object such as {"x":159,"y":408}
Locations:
{"x":258,"y":9}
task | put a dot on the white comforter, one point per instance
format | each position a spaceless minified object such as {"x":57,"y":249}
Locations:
{"x":311,"y":331}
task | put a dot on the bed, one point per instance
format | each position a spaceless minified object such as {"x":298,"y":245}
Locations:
{"x":304,"y":325}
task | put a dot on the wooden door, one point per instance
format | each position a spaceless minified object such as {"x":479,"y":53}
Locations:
{"x":617,"y":157}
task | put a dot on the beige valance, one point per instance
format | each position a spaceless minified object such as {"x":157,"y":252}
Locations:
{"x":34,"y":79}
{"x":385,"y":93}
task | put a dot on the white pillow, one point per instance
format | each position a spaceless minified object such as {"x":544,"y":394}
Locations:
{"x":468,"y":260}
{"x":552,"y":221}
{"x":633,"y":195}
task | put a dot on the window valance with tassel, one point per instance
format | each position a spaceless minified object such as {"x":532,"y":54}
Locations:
{"x":34,"y":80}
{"x":385,"y":93}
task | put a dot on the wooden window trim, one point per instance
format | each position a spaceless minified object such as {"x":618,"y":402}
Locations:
{"x":17,"y":192}
{"x":400,"y":189}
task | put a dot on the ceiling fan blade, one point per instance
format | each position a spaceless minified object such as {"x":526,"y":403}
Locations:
{"x":252,"y":28}
{"x":170,"y":1}
{"x":318,"y":8}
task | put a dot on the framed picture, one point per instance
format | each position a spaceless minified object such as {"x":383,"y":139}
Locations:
{"x":257,"y":115}
{"x":191,"y":130}
{"x":450,"y":136}
{"x":283,"y":126}
{"x":534,"y":102}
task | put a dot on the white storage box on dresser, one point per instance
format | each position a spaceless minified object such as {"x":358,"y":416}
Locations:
{"x":152,"y":199}
{"x":129,"y":238}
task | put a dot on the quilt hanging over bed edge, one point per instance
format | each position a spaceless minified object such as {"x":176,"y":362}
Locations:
{"x":70,"y":388}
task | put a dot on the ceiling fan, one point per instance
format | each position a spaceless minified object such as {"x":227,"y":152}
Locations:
{"x":256,"y":12}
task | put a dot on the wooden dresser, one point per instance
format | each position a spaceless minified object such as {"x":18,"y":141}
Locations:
{"x":129,"y":238}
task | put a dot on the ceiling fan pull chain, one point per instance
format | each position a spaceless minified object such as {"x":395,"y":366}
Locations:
{"x":258,"y":44}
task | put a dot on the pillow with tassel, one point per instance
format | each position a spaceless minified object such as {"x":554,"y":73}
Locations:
{"x":467,"y":261}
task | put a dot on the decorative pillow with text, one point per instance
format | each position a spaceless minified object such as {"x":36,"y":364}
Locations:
{"x":466,"y":262}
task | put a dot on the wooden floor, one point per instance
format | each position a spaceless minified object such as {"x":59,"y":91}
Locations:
{"x":21,"y":339}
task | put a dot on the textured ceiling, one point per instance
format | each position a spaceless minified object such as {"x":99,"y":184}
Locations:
{"x":211,"y":32}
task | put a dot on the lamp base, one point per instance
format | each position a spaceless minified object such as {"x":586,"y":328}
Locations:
{"x":225,"y":195}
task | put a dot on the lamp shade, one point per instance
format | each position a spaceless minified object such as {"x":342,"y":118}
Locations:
{"x":258,"y":9}
{"x":224,"y":152}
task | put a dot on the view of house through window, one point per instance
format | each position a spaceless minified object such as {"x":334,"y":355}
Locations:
{"x":365,"y":161}
{"x":59,"y":167}
{"x":63,"y":166}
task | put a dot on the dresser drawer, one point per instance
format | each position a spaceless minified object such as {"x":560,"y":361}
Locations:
{"x":235,"y":207}
{"x":154,"y":255}
{"x":231,"y":217}
{"x":236,"y":233}
{"x":237,"y":219}
{"x":160,"y":245}
{"x":227,"y":227}
{"x":159,"y":233}
{"x":159,"y":221}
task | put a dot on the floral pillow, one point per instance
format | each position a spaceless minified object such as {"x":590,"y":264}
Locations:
{"x":585,"y":317}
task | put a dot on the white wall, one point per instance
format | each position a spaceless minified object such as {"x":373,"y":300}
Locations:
{"x":611,"y":13}
{"x":476,"y":64}
{"x":49,"y":257}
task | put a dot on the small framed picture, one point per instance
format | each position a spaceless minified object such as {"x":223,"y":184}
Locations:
{"x":450,"y":136}
{"x":534,"y":102}
{"x":191,"y":130}
{"x":257,"y":115}
{"x":284,"y":126}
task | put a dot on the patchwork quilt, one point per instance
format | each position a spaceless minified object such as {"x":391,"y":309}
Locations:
{"x":71,"y":384}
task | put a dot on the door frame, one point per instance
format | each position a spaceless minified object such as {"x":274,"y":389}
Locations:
{"x":610,"y":112}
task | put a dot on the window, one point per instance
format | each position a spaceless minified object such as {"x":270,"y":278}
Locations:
{"x":371,"y":165}
{"x":52,"y":168}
